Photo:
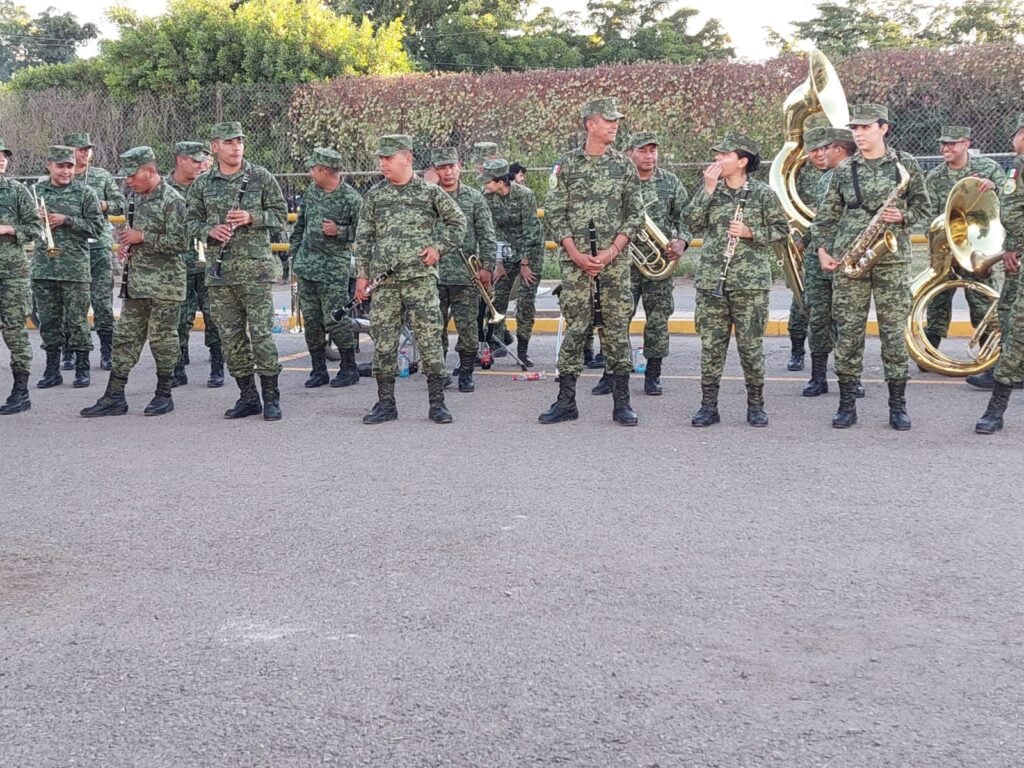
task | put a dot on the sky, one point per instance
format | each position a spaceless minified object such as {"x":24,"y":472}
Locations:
{"x":744,"y":20}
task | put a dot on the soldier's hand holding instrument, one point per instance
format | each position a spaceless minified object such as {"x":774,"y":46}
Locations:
{"x":598,"y":315}
{"x":362,"y":294}
{"x":126,"y":238}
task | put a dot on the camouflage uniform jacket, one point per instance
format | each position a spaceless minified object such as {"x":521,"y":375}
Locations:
{"x":247,"y":257}
{"x":812,"y":264}
{"x":191,"y":255}
{"x":102,"y":183}
{"x":516,"y":223}
{"x":398,"y":222}
{"x":156,"y":269}
{"x":941,"y":179}
{"x":751,"y":265}
{"x":604,"y":189}
{"x":18,"y":210}
{"x":1012,"y":206}
{"x":479,"y":240}
{"x":839,"y":221}
{"x":315,"y":255}
{"x":807,"y":184}
{"x":85,"y":221}
{"x":665,"y":200}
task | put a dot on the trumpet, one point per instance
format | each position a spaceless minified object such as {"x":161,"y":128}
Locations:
{"x":474,"y":265}
{"x":51,"y":250}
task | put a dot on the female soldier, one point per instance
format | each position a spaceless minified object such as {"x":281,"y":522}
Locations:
{"x":739,"y":219}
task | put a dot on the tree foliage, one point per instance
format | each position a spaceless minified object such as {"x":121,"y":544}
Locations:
{"x":981,"y":21}
{"x":49,"y":38}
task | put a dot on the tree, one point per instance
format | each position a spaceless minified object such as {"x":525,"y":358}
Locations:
{"x":49,"y":38}
{"x":982,"y":21}
{"x":843,"y":28}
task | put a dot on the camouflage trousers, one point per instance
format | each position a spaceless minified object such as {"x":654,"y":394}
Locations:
{"x":1011,"y":286}
{"x":658,"y":306}
{"x":101,"y":293}
{"x":15,"y":305}
{"x":415,"y":300}
{"x":1010,"y":368}
{"x":799,"y":318}
{"x":460,"y":302}
{"x":851,"y":300}
{"x":245,"y":318}
{"x":744,"y":311}
{"x":821,"y":326}
{"x":940,"y":310}
{"x":577,"y":305}
{"x":197,"y":298}
{"x":317,"y":301}
{"x":60,"y":302}
{"x":143,"y":319}
{"x":526,"y":301}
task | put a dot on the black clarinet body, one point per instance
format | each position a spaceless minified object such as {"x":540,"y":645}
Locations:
{"x":598,"y":316}
{"x":383,"y":277}
{"x":126,"y":254}
{"x":218,"y":265}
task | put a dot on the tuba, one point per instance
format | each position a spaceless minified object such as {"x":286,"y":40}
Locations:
{"x":965,"y":241}
{"x":820,"y":93}
{"x":647,"y":250}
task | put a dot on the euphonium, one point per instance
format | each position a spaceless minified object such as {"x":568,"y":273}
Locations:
{"x":876,"y":240}
{"x":647,"y":249}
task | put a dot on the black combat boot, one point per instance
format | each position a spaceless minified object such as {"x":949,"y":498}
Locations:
{"x":898,"y":418}
{"x":756,"y":417}
{"x":271,"y":397}
{"x":248,"y":403}
{"x":708,"y":413}
{"x":818,"y":385}
{"x":522,"y":345}
{"x":796,"y":355}
{"x":858,"y":388}
{"x":603,"y":386}
{"x":67,"y":359}
{"x":622,"y":413}
{"x":598,"y":361}
{"x":161,"y":402}
{"x":846,"y":416}
{"x":318,"y":376}
{"x":179,"y":377}
{"x":18,"y":400}
{"x":438,"y":413}
{"x":216,"y":368}
{"x":112,"y":403}
{"x":992,"y":420}
{"x":51,"y":376}
{"x":106,"y":349}
{"x":385,"y":409}
{"x":588,"y":351}
{"x":987,"y":380}
{"x":652,"y":376}
{"x":81,"y":369}
{"x":564,"y":408}
{"x":184,"y":356}
{"x":348,"y":371}
{"x":465,"y":372}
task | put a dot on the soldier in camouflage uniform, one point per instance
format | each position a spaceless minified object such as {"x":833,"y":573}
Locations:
{"x":61,"y":281}
{"x":664,"y":201}
{"x":954,"y":144}
{"x":1009,"y":371}
{"x":459,"y":297}
{"x":406,"y":226}
{"x":190,"y":161}
{"x":745,"y":280}
{"x":237,"y":238}
{"x":520,"y":238}
{"x":595,"y":204}
{"x":321,"y":244}
{"x":19,"y":226}
{"x":151,"y":251}
{"x":101,"y":287}
{"x":856,"y":193}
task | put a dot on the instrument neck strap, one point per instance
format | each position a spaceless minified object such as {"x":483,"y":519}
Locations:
{"x":858,"y":195}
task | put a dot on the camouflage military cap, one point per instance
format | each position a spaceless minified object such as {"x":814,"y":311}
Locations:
{"x":4,"y":149}
{"x":192,"y":149}
{"x":326,"y":157}
{"x":77,"y":140}
{"x":839,"y":134}
{"x":482,"y":150}
{"x":444,"y":156}
{"x":642,"y":139}
{"x":866,"y":114}
{"x":606,"y":107}
{"x":951,"y":133}
{"x":816,"y":138}
{"x":733,"y":141}
{"x":60,"y":154}
{"x":1020,"y":123}
{"x":135,"y":158}
{"x":494,"y":169}
{"x":225,"y":131}
{"x":392,"y":144}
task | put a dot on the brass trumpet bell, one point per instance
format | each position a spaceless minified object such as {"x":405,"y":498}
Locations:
{"x":647,"y":249}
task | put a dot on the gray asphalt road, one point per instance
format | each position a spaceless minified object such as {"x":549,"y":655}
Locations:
{"x":187,"y":591}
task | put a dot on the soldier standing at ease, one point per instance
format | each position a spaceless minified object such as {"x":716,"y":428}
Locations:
{"x":322,"y":246}
{"x":19,"y":226}
{"x":458,"y":295}
{"x":190,"y":160}
{"x":101,"y":286}
{"x":232,"y":208}
{"x":151,"y":252}
{"x":60,"y":281}
{"x":405,"y":227}
{"x":595,"y":206}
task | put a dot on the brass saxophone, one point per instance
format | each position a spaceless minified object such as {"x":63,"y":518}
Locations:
{"x":876,"y":240}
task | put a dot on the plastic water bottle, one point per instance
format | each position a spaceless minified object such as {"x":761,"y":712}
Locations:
{"x":278,"y":327}
{"x":639,"y":361}
{"x":403,"y":366}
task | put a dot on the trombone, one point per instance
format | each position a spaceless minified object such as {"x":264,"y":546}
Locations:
{"x":474,"y":265}
{"x":51,"y":249}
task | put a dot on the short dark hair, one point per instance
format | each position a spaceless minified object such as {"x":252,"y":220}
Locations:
{"x":848,"y":146}
{"x":515,"y":168}
{"x":753,"y":161}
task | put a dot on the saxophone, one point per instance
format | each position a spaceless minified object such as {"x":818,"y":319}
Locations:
{"x":876,"y":240}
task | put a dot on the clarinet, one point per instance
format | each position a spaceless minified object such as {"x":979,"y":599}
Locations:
{"x":215,"y":271}
{"x":379,"y":280}
{"x":126,"y":252}
{"x":598,"y":316}
{"x":730,"y":246}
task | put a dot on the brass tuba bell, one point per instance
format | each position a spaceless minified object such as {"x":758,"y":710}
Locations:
{"x":647,"y":249}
